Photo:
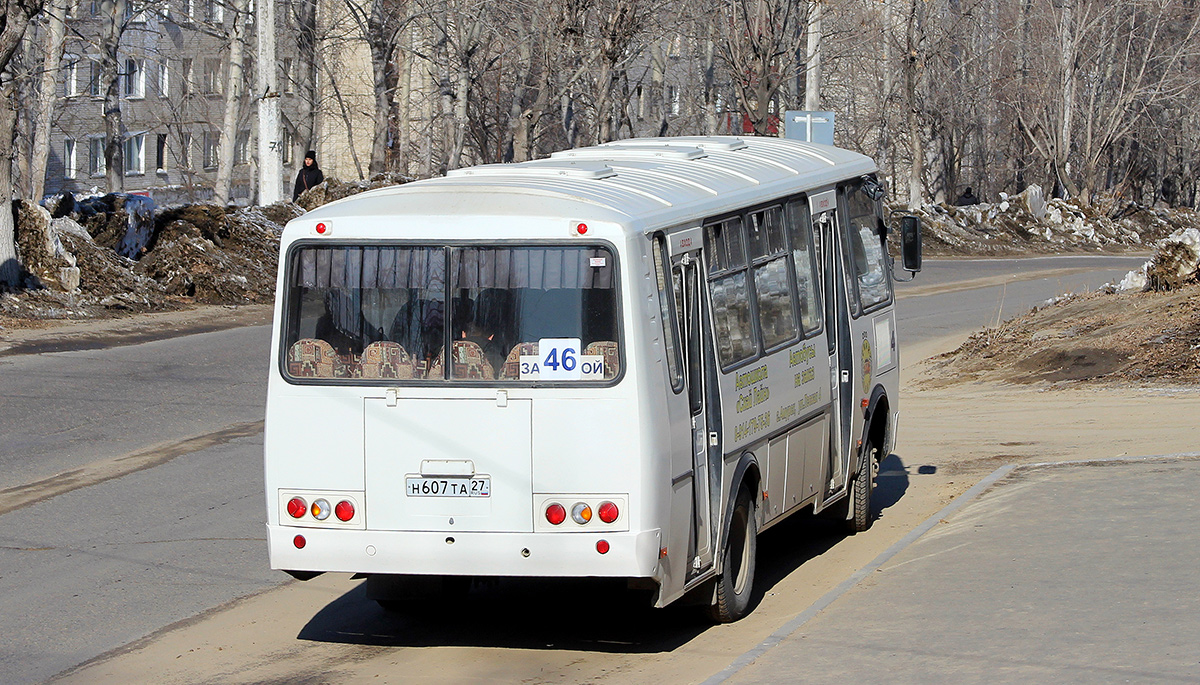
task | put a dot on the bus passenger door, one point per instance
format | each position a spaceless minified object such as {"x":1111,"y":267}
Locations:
{"x":841,"y":357}
{"x":689,"y":283}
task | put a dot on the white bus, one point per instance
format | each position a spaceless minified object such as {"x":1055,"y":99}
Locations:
{"x":622,"y":361}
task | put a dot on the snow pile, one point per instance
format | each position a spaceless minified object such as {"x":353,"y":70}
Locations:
{"x":195,"y":253}
{"x":1027,"y":222}
{"x":1176,"y":262}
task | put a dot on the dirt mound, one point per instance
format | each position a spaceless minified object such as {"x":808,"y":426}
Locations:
{"x":332,"y":189}
{"x":210,"y":256}
{"x":1027,"y":223}
{"x":1106,"y":338}
{"x":185,"y":255}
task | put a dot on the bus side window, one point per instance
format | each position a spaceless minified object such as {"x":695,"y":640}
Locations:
{"x":772,"y":283}
{"x":799,"y":229}
{"x":729,"y":292}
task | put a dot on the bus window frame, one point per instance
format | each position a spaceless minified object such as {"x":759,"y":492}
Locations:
{"x":659,"y":246}
{"x":814,"y":265}
{"x":446,"y":381}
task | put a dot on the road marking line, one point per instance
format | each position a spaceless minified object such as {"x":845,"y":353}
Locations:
{"x":20,"y":496}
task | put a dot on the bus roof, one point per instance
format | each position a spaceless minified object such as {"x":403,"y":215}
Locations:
{"x":643,"y":183}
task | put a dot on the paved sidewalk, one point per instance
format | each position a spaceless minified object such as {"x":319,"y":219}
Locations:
{"x":1086,"y":573}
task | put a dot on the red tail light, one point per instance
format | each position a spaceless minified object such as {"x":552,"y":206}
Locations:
{"x":344,"y":511}
{"x":299,"y":542}
{"x":297,"y":507}
{"x":608,"y":512}
{"x":556,"y":514}
{"x":602,"y":546}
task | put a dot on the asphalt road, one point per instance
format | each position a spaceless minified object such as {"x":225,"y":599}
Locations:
{"x":146,"y":530}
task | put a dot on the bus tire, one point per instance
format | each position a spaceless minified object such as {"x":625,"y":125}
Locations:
{"x":860,"y":500}
{"x":735,"y":585}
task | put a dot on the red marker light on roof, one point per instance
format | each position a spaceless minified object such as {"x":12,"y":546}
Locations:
{"x":322,"y":229}
{"x":581,"y":229}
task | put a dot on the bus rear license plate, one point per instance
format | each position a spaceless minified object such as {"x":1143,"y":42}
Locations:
{"x":449,"y":487}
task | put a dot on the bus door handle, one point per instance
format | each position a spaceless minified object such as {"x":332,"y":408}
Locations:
{"x":713,"y":439}
{"x":845,"y":376}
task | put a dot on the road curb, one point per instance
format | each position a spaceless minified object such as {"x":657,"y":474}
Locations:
{"x":957,"y":503}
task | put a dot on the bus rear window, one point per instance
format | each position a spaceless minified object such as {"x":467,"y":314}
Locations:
{"x":462,"y":314}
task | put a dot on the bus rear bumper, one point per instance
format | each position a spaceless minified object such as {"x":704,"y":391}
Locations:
{"x":630,"y":554}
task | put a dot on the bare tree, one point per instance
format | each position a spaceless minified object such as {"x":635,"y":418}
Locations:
{"x":235,"y":92}
{"x":52,"y":53}
{"x":17,"y":16}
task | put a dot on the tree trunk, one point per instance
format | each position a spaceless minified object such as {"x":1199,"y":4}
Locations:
{"x":110,"y":76}
{"x":812,"y":84}
{"x":916,"y":170}
{"x":235,"y":78}
{"x":47,"y":95}
{"x":306,"y":77}
{"x":10,"y":268}
{"x":16,"y":18}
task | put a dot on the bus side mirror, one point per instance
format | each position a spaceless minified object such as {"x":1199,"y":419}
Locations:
{"x":910,"y":242}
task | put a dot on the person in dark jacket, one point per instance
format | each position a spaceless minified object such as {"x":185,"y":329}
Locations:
{"x":309,"y":176}
{"x":967,"y":198}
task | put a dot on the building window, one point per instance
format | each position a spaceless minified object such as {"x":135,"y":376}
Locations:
{"x":286,"y":76}
{"x":70,"y":170}
{"x":94,"y":78}
{"x":135,"y":78}
{"x":164,"y":79}
{"x":241,"y":148}
{"x":214,"y":11}
{"x":185,"y":151}
{"x":135,"y":154}
{"x":160,"y":154}
{"x":134,"y":13}
{"x":289,"y":141}
{"x":211,"y":83}
{"x":70,"y":78}
{"x":96,"y":165}
{"x":189,"y":10}
{"x":211,"y":141}
{"x":186,"y":77}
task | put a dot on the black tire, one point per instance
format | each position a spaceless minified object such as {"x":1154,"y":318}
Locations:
{"x":736,"y":582}
{"x":859,"y":518}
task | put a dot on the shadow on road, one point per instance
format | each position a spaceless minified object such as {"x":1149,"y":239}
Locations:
{"x":518,"y":613}
{"x":591,"y":615}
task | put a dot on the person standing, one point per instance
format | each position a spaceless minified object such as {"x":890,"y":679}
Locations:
{"x":967,"y":199}
{"x":309,"y":176}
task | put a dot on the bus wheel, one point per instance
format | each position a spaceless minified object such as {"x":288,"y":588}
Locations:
{"x":864,"y":483}
{"x":736,"y":583}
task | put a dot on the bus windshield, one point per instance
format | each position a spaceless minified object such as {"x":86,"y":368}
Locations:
{"x":393,"y":311}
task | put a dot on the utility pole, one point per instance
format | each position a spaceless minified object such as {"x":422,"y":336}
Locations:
{"x":270,"y":143}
